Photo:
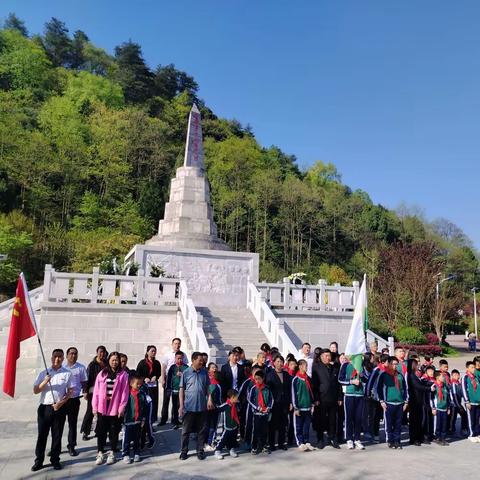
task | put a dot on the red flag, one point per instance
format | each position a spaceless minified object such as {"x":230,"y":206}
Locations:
{"x":21,"y":328}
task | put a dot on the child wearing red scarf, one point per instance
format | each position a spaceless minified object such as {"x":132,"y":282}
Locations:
{"x":231,"y":422}
{"x":260,"y":400}
{"x":440,"y":408}
{"x":246,"y":414}
{"x":215,"y":394}
{"x":456,"y":408}
{"x":134,"y":419}
{"x":471,"y":395}
{"x":392,"y":393}
{"x":303,"y":402}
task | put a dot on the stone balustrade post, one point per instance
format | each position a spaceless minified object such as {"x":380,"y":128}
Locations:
{"x":323,"y":284}
{"x":95,"y":281}
{"x":47,"y":280}
{"x":140,"y":286}
{"x":286,"y":293}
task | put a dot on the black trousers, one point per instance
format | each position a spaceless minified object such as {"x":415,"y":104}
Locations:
{"x":328,"y":420}
{"x":153,"y":392}
{"x":194,"y":422}
{"x":277,"y":427}
{"x":108,"y":425}
{"x":452,"y":419}
{"x":416,"y":422}
{"x":175,"y":407}
{"x":260,"y":432}
{"x":373,"y":415}
{"x":428,"y":423}
{"x":88,"y":417}
{"x":49,"y":420}
{"x":165,"y":404}
{"x":228,"y":440}
{"x":72,"y":409}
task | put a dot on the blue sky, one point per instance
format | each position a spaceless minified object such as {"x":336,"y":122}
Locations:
{"x":387,"y":91}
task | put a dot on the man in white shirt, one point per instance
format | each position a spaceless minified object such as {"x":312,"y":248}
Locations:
{"x":55,"y":387}
{"x":79,"y":385}
{"x":168,"y":361}
{"x":305,"y":354}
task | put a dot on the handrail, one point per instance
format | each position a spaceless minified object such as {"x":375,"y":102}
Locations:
{"x":192,"y":321}
{"x":323,"y":297}
{"x":272,"y":327}
{"x":101,"y":289}
{"x":382,"y":343}
{"x":36,"y":297}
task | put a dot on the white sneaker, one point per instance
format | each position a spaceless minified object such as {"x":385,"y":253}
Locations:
{"x":111,"y":458}
{"x":99,"y":459}
{"x":350,"y":445}
{"x":127,"y":459}
{"x":218,"y":455}
{"x":474,"y":439}
{"x":302,"y":447}
{"x":359,"y":445}
{"x":136,"y":458}
{"x":233,"y":453}
{"x":209,"y":448}
{"x":310,"y":447}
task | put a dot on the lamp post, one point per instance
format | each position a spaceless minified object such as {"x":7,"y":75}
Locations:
{"x":439,"y":282}
{"x":474,"y":291}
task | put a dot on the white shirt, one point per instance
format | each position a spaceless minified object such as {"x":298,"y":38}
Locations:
{"x":235,"y":376}
{"x":169,"y":360}
{"x":61,"y":381}
{"x":79,"y":375}
{"x":309,"y":359}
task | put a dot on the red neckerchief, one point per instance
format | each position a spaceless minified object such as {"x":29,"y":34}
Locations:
{"x":135,"y":399}
{"x":454,"y":381}
{"x":394,"y":375}
{"x":418,"y":373}
{"x":382,"y":367}
{"x":213,"y":380}
{"x":304,"y":376}
{"x":403,"y":364}
{"x":150,"y":366}
{"x":261,"y":400}
{"x":291,"y":372}
{"x":233,"y":411}
{"x":439,"y":389}
{"x":354,"y":373}
{"x":473,"y":379}
{"x":447,"y":378}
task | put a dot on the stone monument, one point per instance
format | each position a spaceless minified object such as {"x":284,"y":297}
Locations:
{"x":187,"y":243}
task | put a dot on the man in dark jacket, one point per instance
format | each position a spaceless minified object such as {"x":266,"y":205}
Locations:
{"x":232,"y":374}
{"x":280,"y":384}
{"x":328,"y":394}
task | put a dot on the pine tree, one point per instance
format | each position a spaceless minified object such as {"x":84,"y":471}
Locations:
{"x":58,"y":44}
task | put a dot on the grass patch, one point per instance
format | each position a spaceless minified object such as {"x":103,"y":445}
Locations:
{"x":449,"y":351}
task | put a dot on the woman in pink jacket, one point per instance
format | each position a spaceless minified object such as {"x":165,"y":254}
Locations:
{"x":110,"y":396}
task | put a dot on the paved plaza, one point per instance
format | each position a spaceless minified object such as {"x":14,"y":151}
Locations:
{"x":18,"y":436}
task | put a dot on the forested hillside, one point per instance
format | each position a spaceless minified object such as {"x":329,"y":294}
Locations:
{"x":90,"y":139}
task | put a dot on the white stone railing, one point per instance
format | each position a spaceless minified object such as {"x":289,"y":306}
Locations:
{"x":273,"y":328}
{"x":381,"y":342}
{"x":321,"y":297}
{"x":99,"y":289}
{"x":36,"y":297}
{"x":192,"y":322}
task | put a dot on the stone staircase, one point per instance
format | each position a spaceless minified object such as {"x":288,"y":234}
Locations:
{"x":227,"y":328}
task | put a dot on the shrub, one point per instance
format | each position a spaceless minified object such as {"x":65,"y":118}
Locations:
{"x":432,"y":339}
{"x":433,"y":350}
{"x":410,"y":335}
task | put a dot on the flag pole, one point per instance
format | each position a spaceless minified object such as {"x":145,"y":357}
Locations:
{"x":34,"y":320}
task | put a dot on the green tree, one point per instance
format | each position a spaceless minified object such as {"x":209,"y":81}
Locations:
{"x":12,"y":22}
{"x":57,"y":42}
{"x":133,"y":74}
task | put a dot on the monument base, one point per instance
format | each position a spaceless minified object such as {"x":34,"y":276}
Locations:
{"x":213,"y":277}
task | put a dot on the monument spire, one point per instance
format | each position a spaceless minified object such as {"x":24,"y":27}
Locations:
{"x":194,"y":145}
{"x":188,"y":218}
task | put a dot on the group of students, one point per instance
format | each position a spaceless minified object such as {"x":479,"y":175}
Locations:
{"x":269,"y":403}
